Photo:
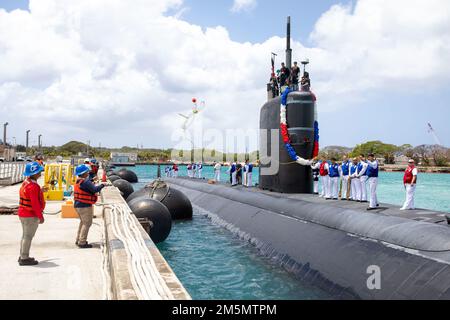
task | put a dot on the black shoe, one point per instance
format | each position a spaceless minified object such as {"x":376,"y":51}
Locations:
{"x":28,"y":262}
{"x":342,"y":199}
{"x":378,"y":204}
{"x":30,"y":258}
{"x":369,"y":208}
{"x":335,"y":199}
{"x":85,"y":246}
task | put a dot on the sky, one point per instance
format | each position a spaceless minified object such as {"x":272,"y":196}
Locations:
{"x":117,"y":74}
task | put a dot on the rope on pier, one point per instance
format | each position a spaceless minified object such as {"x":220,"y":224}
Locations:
{"x":145,"y":277}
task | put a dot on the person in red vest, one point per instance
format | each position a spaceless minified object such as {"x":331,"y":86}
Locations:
{"x":410,"y":182}
{"x":175,"y":170}
{"x":31,"y":208}
{"x":324,"y":177}
{"x":85,"y":196}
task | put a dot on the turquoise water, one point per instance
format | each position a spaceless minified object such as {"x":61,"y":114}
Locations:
{"x":213,"y":264}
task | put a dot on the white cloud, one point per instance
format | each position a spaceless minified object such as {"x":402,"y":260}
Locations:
{"x":109,"y":71}
{"x":243,"y":5}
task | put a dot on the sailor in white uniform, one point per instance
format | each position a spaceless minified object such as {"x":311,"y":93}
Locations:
{"x":217,"y":168}
{"x":372,"y":174}
{"x":362,"y":175}
{"x":355,"y":190}
{"x":410,"y":182}
{"x":249,"y":173}
{"x":233,"y":173}
{"x":324,"y":177}
{"x":333,"y":189}
{"x":315,"y":171}
{"x":344,"y":171}
{"x":199,"y":170}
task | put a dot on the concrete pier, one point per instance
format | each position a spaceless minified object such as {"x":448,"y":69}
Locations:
{"x":64,"y":271}
{"x":106,"y":271}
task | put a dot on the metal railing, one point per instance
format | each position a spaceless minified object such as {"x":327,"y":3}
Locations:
{"x":11,"y":172}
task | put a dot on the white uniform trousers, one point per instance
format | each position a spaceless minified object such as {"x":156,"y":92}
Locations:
{"x":363,"y":180}
{"x":244,"y":178}
{"x":409,"y":202}
{"x":325,"y":181}
{"x":356,"y":189}
{"x":233,"y":178}
{"x":333,"y":189}
{"x":316,"y":186}
{"x":175,"y":174}
{"x":217,"y":175}
{"x":344,"y":187}
{"x":373,"y":183}
{"x":200,"y":173}
{"x":249,"y":179}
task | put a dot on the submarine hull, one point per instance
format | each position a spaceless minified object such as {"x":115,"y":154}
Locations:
{"x":338,"y":248}
{"x":290,"y":176}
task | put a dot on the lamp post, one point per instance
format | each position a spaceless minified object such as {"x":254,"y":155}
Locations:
{"x":4,"y":133}
{"x":26,"y":142}
{"x":39,"y":143}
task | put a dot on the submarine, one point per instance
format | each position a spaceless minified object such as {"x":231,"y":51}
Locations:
{"x":339,"y":246}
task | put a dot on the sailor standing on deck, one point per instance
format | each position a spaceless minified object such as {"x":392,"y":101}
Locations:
{"x":85,"y":196}
{"x":315,"y":172}
{"x":233,"y":173}
{"x":249,"y":173}
{"x":333,"y":188}
{"x":199,"y":170}
{"x":175,"y":170}
{"x":345,"y":178}
{"x":31,"y":208}
{"x":194,"y":170}
{"x":355,"y":190}
{"x":189,"y":170}
{"x":217,"y":168}
{"x":410,"y":182}
{"x":362,"y":175}
{"x":325,"y":179}
{"x":372,"y":174}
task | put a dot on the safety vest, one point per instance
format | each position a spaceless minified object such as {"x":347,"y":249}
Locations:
{"x":82,"y":196}
{"x":345,"y":169}
{"x":25,"y":201}
{"x":371,"y":172}
{"x":323,"y":172}
{"x":94,"y":168}
{"x":334,"y":170}
{"x":408,"y":177}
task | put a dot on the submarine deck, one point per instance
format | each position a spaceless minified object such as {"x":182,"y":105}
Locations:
{"x":423,"y":215}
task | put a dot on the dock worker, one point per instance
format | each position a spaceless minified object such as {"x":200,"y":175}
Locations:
{"x":372,"y":175}
{"x":217,"y":168}
{"x":355,"y":184}
{"x":315,"y":167}
{"x":324,"y":178}
{"x":249,"y":170}
{"x":333,"y":183}
{"x":39,"y":159}
{"x":94,"y":169}
{"x":199,"y":169}
{"x":362,"y":175}
{"x":410,"y":182}
{"x":85,"y":196}
{"x":31,"y":208}
{"x":344,"y":171}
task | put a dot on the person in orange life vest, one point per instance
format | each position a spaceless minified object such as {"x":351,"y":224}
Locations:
{"x":31,"y":208}
{"x":324,"y":177}
{"x":85,"y":195}
{"x":410,"y":181}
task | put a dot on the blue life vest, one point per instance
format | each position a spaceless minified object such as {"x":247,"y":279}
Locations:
{"x":334,"y":170}
{"x":371,"y":172}
{"x":353,"y":169}
{"x":250,"y":168}
{"x":345,"y":169}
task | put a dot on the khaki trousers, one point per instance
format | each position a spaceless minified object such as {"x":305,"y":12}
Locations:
{"x":86,"y":215}
{"x":29,"y":227}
